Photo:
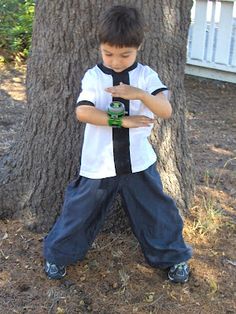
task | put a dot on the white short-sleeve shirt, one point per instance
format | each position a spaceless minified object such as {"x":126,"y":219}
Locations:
{"x":107,"y":151}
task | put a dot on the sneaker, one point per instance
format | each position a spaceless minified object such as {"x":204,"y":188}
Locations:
{"x":54,"y":271}
{"x":179,"y":273}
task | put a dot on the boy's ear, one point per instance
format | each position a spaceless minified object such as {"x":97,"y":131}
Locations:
{"x":139,"y":47}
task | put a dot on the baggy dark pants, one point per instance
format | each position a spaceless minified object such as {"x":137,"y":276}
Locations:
{"x":153,"y":215}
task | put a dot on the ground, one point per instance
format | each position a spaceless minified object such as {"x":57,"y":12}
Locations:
{"x":114,"y":278}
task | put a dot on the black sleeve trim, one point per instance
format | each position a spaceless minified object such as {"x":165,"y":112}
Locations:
{"x":85,"y":102}
{"x":159,"y":90}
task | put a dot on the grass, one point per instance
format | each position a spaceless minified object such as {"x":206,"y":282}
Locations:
{"x":217,"y":178}
{"x":207,"y":215}
{"x":206,"y":218}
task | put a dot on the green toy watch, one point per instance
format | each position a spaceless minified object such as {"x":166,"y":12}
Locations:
{"x":115,"y":111}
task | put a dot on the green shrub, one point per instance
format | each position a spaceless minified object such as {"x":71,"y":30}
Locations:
{"x":16,"y":17}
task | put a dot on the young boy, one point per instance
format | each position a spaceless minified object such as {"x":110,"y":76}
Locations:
{"x":117,"y":157}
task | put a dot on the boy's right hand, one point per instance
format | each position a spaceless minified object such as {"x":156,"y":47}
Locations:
{"x":136,"y":121}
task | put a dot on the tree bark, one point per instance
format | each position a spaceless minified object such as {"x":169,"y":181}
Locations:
{"x":46,"y":153}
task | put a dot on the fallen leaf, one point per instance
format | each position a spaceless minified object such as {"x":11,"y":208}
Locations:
{"x":230,"y":262}
{"x":149,"y":297}
{"x":144,"y":270}
{"x":60,"y":310}
{"x":5,"y":236}
{"x":6,"y":257}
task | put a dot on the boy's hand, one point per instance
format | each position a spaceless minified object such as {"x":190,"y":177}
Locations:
{"x":125,"y":91}
{"x":136,"y":121}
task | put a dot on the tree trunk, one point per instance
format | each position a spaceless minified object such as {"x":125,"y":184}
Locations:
{"x":36,"y":170}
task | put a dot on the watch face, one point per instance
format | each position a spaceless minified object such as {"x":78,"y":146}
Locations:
{"x":116,"y":109}
{"x":116,"y":104}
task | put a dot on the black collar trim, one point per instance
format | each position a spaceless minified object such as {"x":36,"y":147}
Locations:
{"x":112,"y":72}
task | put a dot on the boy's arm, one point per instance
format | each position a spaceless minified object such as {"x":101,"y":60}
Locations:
{"x":92,"y":115}
{"x":158,"y":104}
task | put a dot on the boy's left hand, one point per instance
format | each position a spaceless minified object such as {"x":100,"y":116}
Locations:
{"x":125,"y":91}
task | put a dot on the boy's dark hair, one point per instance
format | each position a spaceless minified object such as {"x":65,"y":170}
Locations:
{"x":121,"y":26}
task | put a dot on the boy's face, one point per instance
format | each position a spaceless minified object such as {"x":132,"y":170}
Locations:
{"x":118,"y":58}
